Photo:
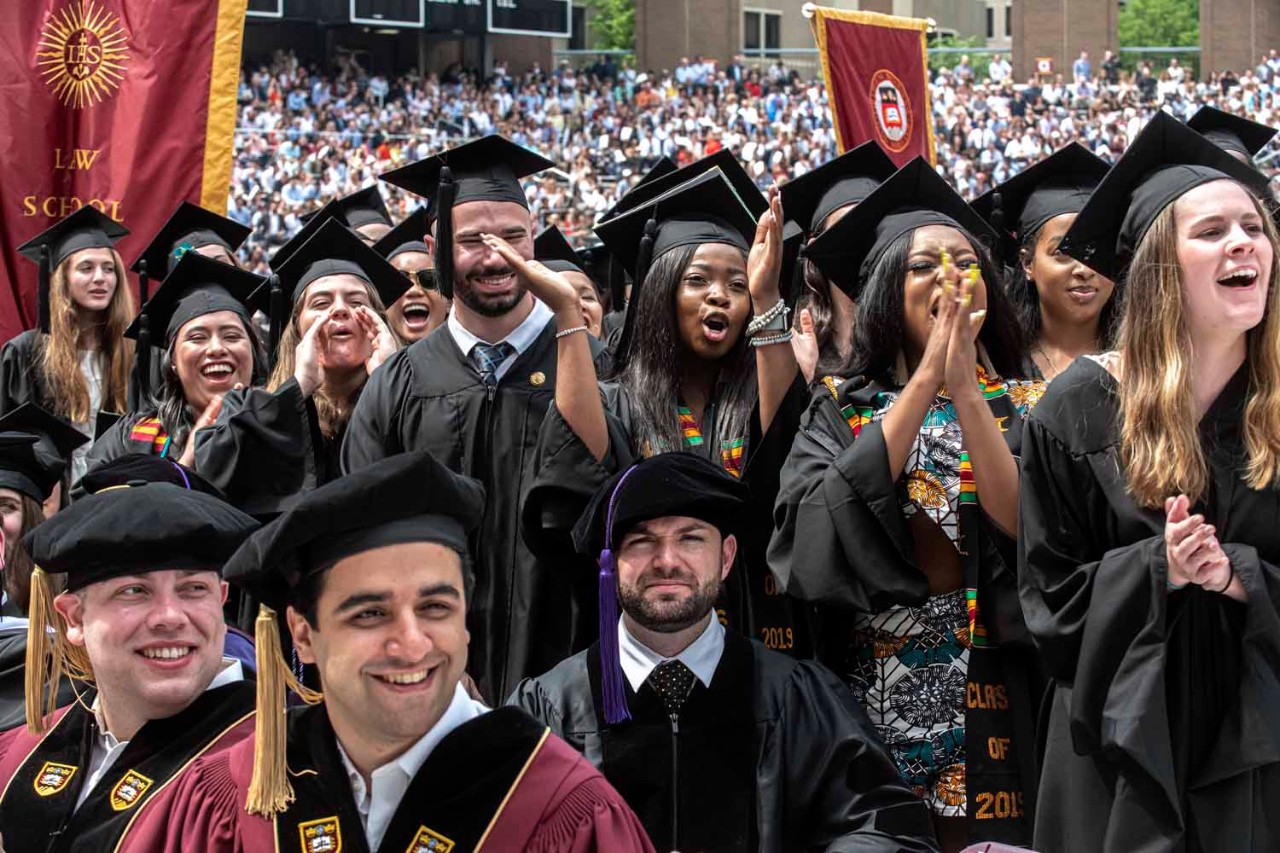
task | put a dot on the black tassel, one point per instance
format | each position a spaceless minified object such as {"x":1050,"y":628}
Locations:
{"x":144,"y":285}
{"x":276,"y":314}
{"x":997,"y":213}
{"x":617,"y":284}
{"x":446,"y":191}
{"x":42,"y":291}
{"x":644,"y":257}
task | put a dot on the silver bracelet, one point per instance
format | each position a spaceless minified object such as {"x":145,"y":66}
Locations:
{"x":759,"y":322}
{"x":567,"y":332}
{"x":768,"y":340}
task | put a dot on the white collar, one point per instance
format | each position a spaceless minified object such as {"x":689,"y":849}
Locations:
{"x":521,"y":338}
{"x":702,"y":655}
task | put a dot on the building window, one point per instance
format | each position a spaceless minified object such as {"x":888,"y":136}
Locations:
{"x":991,"y":23}
{"x":1008,"y":20}
{"x":578,"y":35}
{"x":761,"y":32}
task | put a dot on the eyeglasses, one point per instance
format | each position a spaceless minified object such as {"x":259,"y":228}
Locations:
{"x":424,"y":278}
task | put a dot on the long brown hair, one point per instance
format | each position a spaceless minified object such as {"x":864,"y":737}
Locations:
{"x":332,"y":414}
{"x":18,"y":563}
{"x":60,"y":349}
{"x":1159,"y":434}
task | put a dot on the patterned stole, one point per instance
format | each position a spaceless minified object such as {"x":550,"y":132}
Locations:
{"x":151,"y":432}
{"x":730,"y":449}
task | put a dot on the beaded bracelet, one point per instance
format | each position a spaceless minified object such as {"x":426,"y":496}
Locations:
{"x":567,"y":332}
{"x":772,"y":339}
{"x":758,"y":322}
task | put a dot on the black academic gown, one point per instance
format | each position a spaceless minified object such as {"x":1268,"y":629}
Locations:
{"x":1164,"y":727}
{"x":841,"y":542}
{"x":21,"y":378}
{"x":13,"y":673}
{"x":524,"y":616}
{"x":266,"y":449}
{"x":567,"y":475}
{"x":775,"y":755}
{"x":137,"y":432}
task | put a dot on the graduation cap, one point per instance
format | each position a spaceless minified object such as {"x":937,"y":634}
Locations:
{"x":914,"y":197}
{"x":334,"y":249}
{"x":197,"y":286}
{"x":363,"y":207}
{"x":1231,"y":132}
{"x":617,"y":275}
{"x":1164,"y":161}
{"x":553,"y":250}
{"x":488,"y":169}
{"x":665,"y":166}
{"x":138,"y":469}
{"x":664,"y":485}
{"x":104,"y":421}
{"x":724,"y":160}
{"x":408,"y":236}
{"x":190,"y":227}
{"x":87,"y":228}
{"x":848,"y":179}
{"x":22,"y":468}
{"x":419,"y":499}
{"x":1060,"y":183}
{"x":56,"y":441}
{"x":116,"y":532}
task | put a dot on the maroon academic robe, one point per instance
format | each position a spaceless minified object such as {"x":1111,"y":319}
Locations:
{"x":499,"y":782}
{"x":42,"y":775}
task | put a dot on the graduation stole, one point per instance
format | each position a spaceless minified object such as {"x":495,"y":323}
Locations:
{"x":39,"y":803}
{"x":730,"y":449}
{"x":454,"y":803}
{"x":151,"y":432}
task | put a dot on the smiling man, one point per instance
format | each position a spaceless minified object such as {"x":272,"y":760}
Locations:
{"x":140,"y":621}
{"x":398,"y":757}
{"x":474,"y":393}
{"x":717,"y":742}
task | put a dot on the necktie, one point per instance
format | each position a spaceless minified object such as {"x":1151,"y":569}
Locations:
{"x":672,"y":681}
{"x":487,"y":357}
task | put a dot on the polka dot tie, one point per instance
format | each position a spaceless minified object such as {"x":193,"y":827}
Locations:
{"x":672,"y":681}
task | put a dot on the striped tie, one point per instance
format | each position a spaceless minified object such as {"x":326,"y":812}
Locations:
{"x":487,"y":358}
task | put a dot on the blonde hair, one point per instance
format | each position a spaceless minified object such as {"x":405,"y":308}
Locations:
{"x":1159,"y":432}
{"x":332,"y":414}
{"x":60,"y":349}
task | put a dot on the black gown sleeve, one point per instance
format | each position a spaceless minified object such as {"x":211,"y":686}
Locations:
{"x":844,"y":791}
{"x":115,"y":442}
{"x":18,"y":373}
{"x":369,"y":435}
{"x":840,"y":537}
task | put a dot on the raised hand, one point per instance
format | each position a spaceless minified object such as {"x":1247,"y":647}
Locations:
{"x":933,"y":363}
{"x":552,"y":289}
{"x":308,"y":358}
{"x":382,"y":344}
{"x":962,"y":341}
{"x":764,"y":262}
{"x":804,"y":345}
{"x":206,"y":419}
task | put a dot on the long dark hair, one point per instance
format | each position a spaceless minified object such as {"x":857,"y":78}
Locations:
{"x":1025,"y":299}
{"x":170,"y":404}
{"x":653,"y":372}
{"x":18,"y":563}
{"x":879,"y":330}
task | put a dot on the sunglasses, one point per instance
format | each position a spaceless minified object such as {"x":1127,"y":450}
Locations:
{"x":425,"y":278}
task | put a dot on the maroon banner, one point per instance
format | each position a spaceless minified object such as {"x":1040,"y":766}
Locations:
{"x":876,"y":71}
{"x":126,"y":105}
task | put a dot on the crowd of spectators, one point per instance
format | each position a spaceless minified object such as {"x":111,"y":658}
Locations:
{"x":306,"y":135}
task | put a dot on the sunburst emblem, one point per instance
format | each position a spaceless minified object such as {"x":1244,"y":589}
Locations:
{"x":82,"y":54}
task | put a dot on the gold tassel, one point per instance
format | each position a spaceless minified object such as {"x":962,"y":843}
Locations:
{"x":270,"y":791}
{"x":43,"y":668}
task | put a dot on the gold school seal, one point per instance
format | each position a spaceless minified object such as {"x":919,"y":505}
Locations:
{"x":53,"y":777}
{"x":129,"y":790}
{"x":82,"y":54}
{"x":428,"y":841}
{"x":321,"y":836}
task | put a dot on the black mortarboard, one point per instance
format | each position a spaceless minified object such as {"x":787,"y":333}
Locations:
{"x":617,"y":276}
{"x":190,"y":227}
{"x":410,"y":497}
{"x":408,"y":236}
{"x":23,"y":470}
{"x":139,"y":469}
{"x":914,"y":197}
{"x":56,"y":440}
{"x":139,"y":529}
{"x":847,"y":179}
{"x":104,"y":421}
{"x":665,"y":166}
{"x":668,"y":484}
{"x":419,"y":500}
{"x":87,"y":228}
{"x":1165,"y":160}
{"x":553,"y":250}
{"x":1231,"y":132}
{"x":724,"y":160}
{"x":334,"y":249}
{"x":197,"y":286}
{"x":363,"y":207}
{"x":490,"y":168}
{"x":1060,"y":183}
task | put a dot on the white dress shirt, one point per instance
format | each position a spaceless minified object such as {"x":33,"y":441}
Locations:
{"x":522,"y":337}
{"x":107,"y":748}
{"x":378,"y":801}
{"x":702,"y":655}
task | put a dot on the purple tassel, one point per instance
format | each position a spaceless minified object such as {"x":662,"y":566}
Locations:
{"x":615,"y":693}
